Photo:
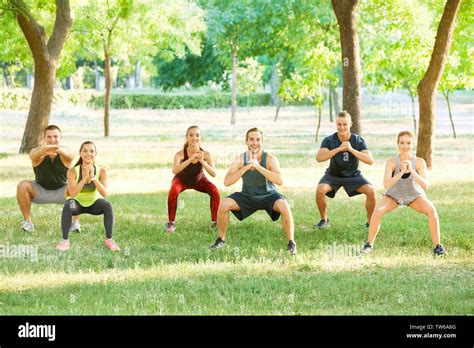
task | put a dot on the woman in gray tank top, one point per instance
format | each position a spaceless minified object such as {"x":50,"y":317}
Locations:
{"x":405,"y":180}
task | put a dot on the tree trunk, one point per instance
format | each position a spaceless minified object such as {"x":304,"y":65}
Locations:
{"x":320,"y":112}
{"x":97,"y":76}
{"x":46,"y":56}
{"x":6,"y":75}
{"x":233,"y":86}
{"x":345,"y":11}
{"x":430,"y":81}
{"x":138,"y":75}
{"x":108,"y":87}
{"x":412,"y":97}
{"x":446,"y":96}
{"x":335,"y":100}
{"x":277,"y":111}
{"x":330,"y":104}
{"x":275,"y":84}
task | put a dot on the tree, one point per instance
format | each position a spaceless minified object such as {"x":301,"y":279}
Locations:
{"x":14,"y":54}
{"x":129,"y":32}
{"x":459,"y":71}
{"x":397,"y":37}
{"x":195,"y":70}
{"x":430,"y":81}
{"x":345,"y":11}
{"x":46,"y":53}
{"x":250,"y":77}
{"x":228,"y":23}
{"x":314,"y":71}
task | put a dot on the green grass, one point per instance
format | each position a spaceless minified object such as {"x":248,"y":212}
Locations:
{"x":160,"y":273}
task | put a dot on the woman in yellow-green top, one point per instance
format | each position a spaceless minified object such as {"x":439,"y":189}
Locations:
{"x":87,"y":187}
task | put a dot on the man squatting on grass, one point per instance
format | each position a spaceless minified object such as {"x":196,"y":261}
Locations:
{"x":344,"y":149}
{"x":259,"y":171}
{"x":50,"y":162}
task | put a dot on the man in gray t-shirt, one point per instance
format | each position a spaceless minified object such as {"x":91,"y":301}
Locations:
{"x":344,"y":150}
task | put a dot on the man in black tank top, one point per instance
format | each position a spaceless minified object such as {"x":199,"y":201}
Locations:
{"x":344,"y":150}
{"x":50,"y":163}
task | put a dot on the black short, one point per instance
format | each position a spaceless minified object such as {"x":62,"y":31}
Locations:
{"x":249,"y":205}
{"x":350,"y":184}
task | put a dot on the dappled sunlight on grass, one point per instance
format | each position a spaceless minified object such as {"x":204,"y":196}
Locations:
{"x":244,"y":268}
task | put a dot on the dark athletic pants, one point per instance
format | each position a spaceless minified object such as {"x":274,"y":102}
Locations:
{"x":100,"y":206}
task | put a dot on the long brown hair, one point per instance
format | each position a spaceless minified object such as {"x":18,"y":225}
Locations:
{"x":187,"y":132}
{"x":79,"y":162}
{"x":402,"y":133}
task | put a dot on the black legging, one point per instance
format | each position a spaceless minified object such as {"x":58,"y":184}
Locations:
{"x":100,"y":206}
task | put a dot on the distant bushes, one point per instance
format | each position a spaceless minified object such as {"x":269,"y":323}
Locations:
{"x":19,"y":99}
{"x":179,"y":101}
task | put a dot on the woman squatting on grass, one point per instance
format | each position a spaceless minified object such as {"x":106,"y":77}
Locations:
{"x":405,"y":180}
{"x":188,"y":170}
{"x":87,"y":187}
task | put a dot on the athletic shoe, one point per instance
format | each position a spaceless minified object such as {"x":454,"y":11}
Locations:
{"x":27,"y":226}
{"x":170,"y":226}
{"x":292,"y":247}
{"x":63,"y":245}
{"x":439,"y":250}
{"x":367,"y":248}
{"x":109,"y":243}
{"x":213,"y":225}
{"x":75,"y":227}
{"x":219,"y":243}
{"x":323,"y":224}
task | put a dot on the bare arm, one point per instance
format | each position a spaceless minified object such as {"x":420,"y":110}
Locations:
{"x":177,"y":166}
{"x":101,"y":182}
{"x":364,"y":155}
{"x":421,"y":177}
{"x":272,"y":172}
{"x":67,"y":156}
{"x":208,"y":164}
{"x":388,"y":179}
{"x":324,"y":153}
{"x":237,"y":169}
{"x":37,"y":154}
{"x":75,"y":187}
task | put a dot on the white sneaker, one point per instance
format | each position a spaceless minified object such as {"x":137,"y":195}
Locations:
{"x":27,"y":226}
{"x":75,"y":227}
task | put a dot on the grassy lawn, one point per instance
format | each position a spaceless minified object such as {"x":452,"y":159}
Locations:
{"x":160,"y":273}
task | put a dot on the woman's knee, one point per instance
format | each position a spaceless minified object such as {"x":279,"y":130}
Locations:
{"x":107,"y":206}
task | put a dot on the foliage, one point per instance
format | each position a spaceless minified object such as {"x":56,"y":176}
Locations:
{"x":193,"y":70}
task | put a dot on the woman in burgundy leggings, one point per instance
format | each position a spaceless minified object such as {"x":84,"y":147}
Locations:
{"x":188,"y":169}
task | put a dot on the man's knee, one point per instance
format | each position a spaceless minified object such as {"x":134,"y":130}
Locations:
{"x":225,"y":205}
{"x":322,"y":189}
{"x":369,"y":191}
{"x":283,"y":207}
{"x":25,"y":186}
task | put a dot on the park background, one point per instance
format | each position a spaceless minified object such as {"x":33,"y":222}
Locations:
{"x":228,"y":66}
